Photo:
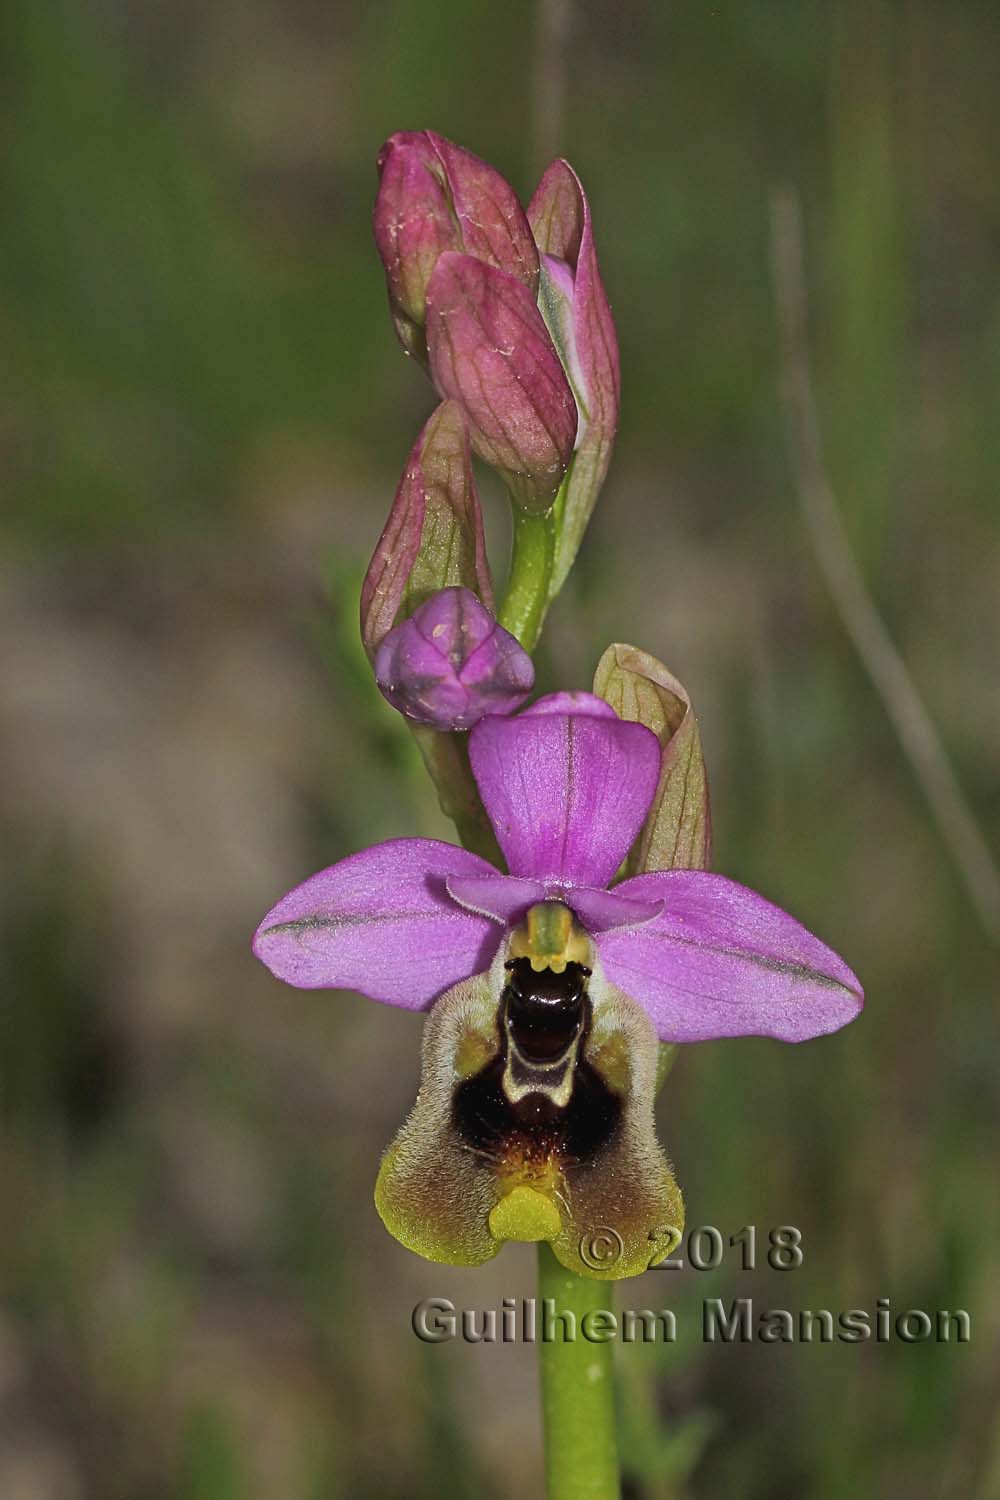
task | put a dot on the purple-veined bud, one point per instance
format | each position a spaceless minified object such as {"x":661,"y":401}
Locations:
{"x":677,"y":832}
{"x":433,"y":538}
{"x":450,"y":664}
{"x":491,"y":352}
{"x":573,"y":301}
{"x":434,"y":196}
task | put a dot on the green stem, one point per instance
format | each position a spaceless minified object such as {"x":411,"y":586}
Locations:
{"x":532,"y":555}
{"x":578,"y":1393}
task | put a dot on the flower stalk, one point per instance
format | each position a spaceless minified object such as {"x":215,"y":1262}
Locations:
{"x":533,"y":550}
{"x":577,"y":1391}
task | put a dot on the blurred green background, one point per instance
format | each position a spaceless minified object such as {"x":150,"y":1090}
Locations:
{"x":203,"y":417}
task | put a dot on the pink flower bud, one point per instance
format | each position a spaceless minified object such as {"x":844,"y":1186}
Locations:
{"x":434,"y":196}
{"x":450,"y":664}
{"x":490,"y":351}
{"x":576,"y":311}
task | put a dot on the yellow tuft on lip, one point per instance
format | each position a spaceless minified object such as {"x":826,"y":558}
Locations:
{"x":550,"y":938}
{"x":525,"y":1215}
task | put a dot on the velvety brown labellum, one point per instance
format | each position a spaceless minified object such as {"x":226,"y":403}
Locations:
{"x":559,"y":1113}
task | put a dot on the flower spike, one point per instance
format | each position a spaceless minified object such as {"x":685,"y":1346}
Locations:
{"x":562,"y":963}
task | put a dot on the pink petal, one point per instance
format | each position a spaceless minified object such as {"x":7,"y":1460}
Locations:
{"x":506,"y":898}
{"x":571,"y":703}
{"x":722,"y":961}
{"x":381,"y":922}
{"x":604,"y":911}
{"x":566,"y":793}
{"x":502,"y":897}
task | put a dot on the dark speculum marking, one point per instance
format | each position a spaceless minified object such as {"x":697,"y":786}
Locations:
{"x":545,"y":1011}
{"x":542,"y":1023}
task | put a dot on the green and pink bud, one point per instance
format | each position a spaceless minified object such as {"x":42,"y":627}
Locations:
{"x":434,"y":196}
{"x":576,"y":311}
{"x":450,"y":664}
{"x":433,"y":538}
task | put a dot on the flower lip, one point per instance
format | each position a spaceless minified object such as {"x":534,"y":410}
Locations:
{"x":534,"y":1120}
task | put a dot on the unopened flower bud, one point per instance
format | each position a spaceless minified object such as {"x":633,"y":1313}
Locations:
{"x":450,"y":664}
{"x":677,"y":833}
{"x":434,"y":196}
{"x":491,"y":352}
{"x":433,"y":538}
{"x":575,"y":307}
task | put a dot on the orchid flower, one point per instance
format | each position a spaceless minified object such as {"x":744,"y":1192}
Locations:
{"x":548,"y":988}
